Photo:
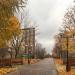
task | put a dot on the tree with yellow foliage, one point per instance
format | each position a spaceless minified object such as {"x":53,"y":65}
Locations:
{"x":8,"y":8}
{"x":8,"y":32}
{"x":9,"y":24}
{"x":69,"y":27}
{"x":69,"y":21}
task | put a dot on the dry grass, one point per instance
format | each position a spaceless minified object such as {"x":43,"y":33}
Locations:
{"x":58,"y":61}
{"x":4,"y":71}
{"x":32,"y":61}
{"x":62,"y":68}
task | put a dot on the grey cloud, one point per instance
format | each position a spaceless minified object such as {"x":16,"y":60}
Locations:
{"x":48,"y":14}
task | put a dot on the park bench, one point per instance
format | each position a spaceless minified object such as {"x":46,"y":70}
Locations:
{"x":5,"y":62}
{"x":17,"y":61}
{"x":71,"y":61}
{"x":10,"y":62}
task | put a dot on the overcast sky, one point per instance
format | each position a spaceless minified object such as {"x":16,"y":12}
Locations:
{"x":48,"y":14}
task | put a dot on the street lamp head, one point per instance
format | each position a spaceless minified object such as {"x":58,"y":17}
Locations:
{"x":26,"y":45}
{"x":9,"y":50}
{"x":31,"y":45}
{"x":61,"y":35}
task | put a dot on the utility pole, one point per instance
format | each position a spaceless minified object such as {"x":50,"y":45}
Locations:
{"x":34,"y":42}
{"x":29,"y":46}
{"x":29,"y":41}
{"x":68,"y":68}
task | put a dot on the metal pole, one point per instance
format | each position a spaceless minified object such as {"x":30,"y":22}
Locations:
{"x":61,"y":47}
{"x":34,"y":43}
{"x":67,"y":65}
{"x":29,"y":46}
{"x":28,"y":56}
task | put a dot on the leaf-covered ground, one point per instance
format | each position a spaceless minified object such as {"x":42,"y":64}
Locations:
{"x":62,"y":68}
{"x":4,"y":71}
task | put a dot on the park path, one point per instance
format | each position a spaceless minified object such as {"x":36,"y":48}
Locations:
{"x":44,"y":67}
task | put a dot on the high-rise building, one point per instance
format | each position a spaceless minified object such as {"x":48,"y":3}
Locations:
{"x":29,"y":39}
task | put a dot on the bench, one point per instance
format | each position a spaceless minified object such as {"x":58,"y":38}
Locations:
{"x":5,"y":62}
{"x":10,"y":62}
{"x":17,"y":61}
{"x":72,"y":62}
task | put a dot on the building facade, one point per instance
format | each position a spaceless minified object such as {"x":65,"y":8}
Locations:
{"x":29,"y":40}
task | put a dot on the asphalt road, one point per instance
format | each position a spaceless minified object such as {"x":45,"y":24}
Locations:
{"x":44,"y":67}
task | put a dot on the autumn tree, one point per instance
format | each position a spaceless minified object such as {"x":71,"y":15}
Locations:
{"x":9,"y":24}
{"x":8,"y":8}
{"x":17,"y":41}
{"x":68,"y":32}
{"x":40,"y":51}
{"x":69,"y":26}
{"x":7,"y":18}
{"x":69,"y":21}
{"x":7,"y":34}
{"x":56,"y":52}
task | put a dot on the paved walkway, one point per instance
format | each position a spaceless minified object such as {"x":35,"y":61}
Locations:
{"x":44,"y":67}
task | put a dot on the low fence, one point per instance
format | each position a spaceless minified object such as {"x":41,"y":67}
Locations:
{"x":21,"y":61}
{"x":10,"y":62}
{"x":5,"y":62}
{"x":71,"y":61}
{"x":17,"y":61}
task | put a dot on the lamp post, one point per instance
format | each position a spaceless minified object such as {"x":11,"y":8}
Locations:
{"x":28,"y":56}
{"x":68,"y":68}
{"x":26,"y":46}
{"x":29,"y":52}
{"x":10,"y":51}
{"x":60,"y":45}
